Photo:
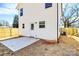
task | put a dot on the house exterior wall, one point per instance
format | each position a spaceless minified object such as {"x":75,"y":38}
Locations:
{"x":36,"y":12}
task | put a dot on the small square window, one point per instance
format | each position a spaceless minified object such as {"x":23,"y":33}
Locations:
{"x":48,"y":5}
{"x":21,"y":12}
{"x":23,"y":25}
{"x":32,"y":26}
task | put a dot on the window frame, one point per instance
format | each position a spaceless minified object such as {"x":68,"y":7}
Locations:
{"x":41,"y":24}
{"x":21,"y":12}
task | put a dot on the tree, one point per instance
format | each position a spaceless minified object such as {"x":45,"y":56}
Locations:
{"x":4,"y":23}
{"x":70,"y":14}
{"x":7,"y":23}
{"x":0,"y":24}
{"x":15,"y":22}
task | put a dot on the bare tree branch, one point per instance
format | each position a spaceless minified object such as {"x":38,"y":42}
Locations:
{"x":73,"y":13}
{"x":74,"y":20}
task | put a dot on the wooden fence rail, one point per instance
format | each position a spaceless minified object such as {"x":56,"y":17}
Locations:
{"x":70,"y":31}
{"x":9,"y":32}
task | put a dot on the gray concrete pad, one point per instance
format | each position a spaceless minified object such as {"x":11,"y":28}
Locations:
{"x":18,"y":43}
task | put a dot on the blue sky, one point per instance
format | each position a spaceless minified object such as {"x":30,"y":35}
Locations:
{"x":8,"y":11}
{"x":69,"y":7}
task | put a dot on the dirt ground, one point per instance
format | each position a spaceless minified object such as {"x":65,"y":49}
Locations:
{"x":41,"y":48}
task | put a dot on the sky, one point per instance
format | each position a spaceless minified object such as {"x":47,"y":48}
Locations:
{"x":68,"y":12}
{"x":69,"y":8}
{"x":8,"y":11}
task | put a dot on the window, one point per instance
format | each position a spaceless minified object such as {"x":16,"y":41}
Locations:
{"x":32,"y":26}
{"x":21,"y":12}
{"x":23,"y":25}
{"x":48,"y":5}
{"x":42,"y":24}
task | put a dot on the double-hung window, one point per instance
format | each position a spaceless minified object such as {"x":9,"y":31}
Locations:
{"x":42,"y":24}
{"x":21,"y":12}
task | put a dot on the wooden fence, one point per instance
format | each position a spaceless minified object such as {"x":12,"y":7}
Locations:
{"x":70,"y":31}
{"x":9,"y":32}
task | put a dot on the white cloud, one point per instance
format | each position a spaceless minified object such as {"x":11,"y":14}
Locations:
{"x":10,"y":5}
{"x":8,"y":11}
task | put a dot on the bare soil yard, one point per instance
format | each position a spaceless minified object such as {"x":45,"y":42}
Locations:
{"x":40,"y":48}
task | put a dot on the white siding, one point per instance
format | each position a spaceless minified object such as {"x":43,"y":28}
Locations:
{"x":35,"y":12}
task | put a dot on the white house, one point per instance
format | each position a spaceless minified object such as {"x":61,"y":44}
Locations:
{"x":40,"y":20}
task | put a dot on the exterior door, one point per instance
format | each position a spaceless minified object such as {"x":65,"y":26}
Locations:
{"x":34,"y":28}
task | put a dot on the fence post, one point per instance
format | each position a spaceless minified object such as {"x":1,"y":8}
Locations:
{"x":10,"y":32}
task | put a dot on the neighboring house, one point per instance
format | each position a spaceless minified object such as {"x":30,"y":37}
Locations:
{"x":40,"y":20}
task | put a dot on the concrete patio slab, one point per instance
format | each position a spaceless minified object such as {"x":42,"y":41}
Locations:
{"x":18,"y":43}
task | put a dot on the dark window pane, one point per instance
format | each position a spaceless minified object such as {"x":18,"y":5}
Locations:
{"x":42,"y":22}
{"x":47,"y":5}
{"x":21,"y":9}
{"x":21,"y":12}
{"x":23,"y":25}
{"x":32,"y":26}
{"x":41,"y":26}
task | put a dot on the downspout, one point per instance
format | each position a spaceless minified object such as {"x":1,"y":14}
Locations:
{"x":57,"y":24}
{"x":58,"y":20}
